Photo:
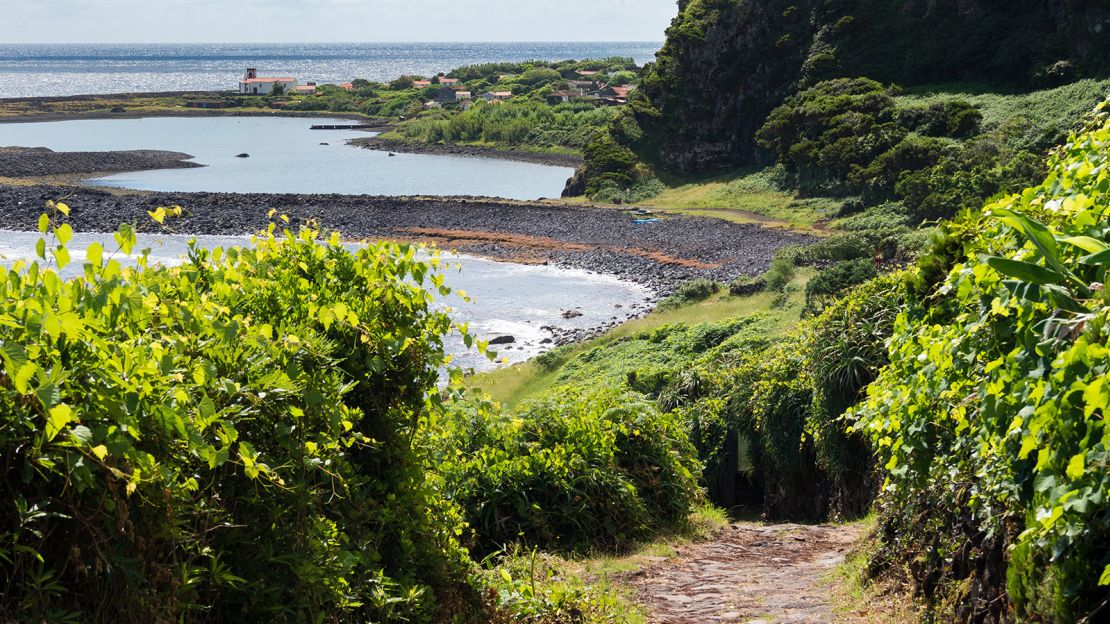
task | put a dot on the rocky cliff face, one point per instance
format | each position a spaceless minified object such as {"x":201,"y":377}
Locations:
{"x":727,"y":63}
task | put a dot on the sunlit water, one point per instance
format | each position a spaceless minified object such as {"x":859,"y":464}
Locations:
{"x":505,"y":299}
{"x":75,"y":69}
{"x":285,"y":157}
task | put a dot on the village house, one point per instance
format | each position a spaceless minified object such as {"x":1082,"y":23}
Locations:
{"x":347,"y":86}
{"x":586,"y":86}
{"x":251,"y":84}
{"x":564,"y":95}
{"x":420,"y":84}
{"x":448,"y":82}
{"x":586,"y":73}
{"x":462,"y":95}
{"x":491,"y":96}
{"x":305,"y":89}
{"x":619,"y":93}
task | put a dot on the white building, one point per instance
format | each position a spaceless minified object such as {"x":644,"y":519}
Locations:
{"x":251,"y":84}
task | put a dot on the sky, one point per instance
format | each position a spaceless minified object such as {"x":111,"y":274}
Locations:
{"x":317,"y":21}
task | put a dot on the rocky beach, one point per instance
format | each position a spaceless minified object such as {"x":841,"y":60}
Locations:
{"x":660,"y":254}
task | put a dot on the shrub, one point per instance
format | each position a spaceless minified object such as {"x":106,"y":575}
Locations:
{"x":830,"y":283}
{"x":224,"y":437}
{"x":779,"y":274}
{"x":887,"y":216}
{"x":575,"y":471}
{"x":744,"y":286}
{"x":691,"y":292}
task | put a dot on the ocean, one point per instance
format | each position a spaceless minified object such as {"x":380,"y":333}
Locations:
{"x":75,"y":69}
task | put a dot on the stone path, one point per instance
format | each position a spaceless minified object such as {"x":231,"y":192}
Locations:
{"x":750,"y":574}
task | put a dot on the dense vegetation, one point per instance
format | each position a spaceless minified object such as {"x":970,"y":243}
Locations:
{"x":259,"y":431}
{"x":991,"y":417}
{"x":516,"y":123}
{"x":727,"y":63}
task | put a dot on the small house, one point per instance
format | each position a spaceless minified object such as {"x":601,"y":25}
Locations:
{"x":586,"y":73}
{"x":615,"y":92}
{"x":252,"y":84}
{"x":448,"y":82}
{"x":462,"y":95}
{"x":500,"y":96}
{"x":420,"y":84}
{"x":564,"y":95}
{"x":587,"y":86}
{"x":305,"y":89}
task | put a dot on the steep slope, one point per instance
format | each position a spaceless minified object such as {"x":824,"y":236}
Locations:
{"x":727,"y":63}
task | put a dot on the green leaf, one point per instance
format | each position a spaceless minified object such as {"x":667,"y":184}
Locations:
{"x":58,"y":418}
{"x":44,"y":223}
{"x":64,"y":233}
{"x":1102,"y":257}
{"x":82,"y":434}
{"x":94,"y":254}
{"x":1027,"y":271}
{"x":61,"y":256}
{"x":1105,"y":578}
{"x":1076,"y":466}
{"x":1086,"y":243}
{"x":23,"y":376}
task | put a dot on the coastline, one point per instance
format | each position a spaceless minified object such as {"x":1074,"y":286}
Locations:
{"x":23,"y":162}
{"x":448,"y":149}
{"x":659,"y":255}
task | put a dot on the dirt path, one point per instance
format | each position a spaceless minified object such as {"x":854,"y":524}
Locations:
{"x":750,"y":574}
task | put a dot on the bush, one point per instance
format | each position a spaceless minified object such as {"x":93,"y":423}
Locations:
{"x":891,"y":215}
{"x":832,"y":282}
{"x":744,"y":286}
{"x":778,"y":275}
{"x":229,"y":436}
{"x":689,"y":292}
{"x":575,"y":471}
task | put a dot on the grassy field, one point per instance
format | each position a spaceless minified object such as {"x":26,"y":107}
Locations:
{"x":744,"y":196}
{"x":513,"y":384}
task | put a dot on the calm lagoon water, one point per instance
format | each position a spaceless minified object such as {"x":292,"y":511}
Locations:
{"x":285,"y":157}
{"x":76,"y":69}
{"x":505,"y":299}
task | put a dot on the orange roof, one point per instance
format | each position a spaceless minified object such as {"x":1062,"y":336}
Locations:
{"x":250,"y":80}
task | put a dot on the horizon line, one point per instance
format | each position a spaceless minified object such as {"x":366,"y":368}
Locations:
{"x":328,"y":42}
